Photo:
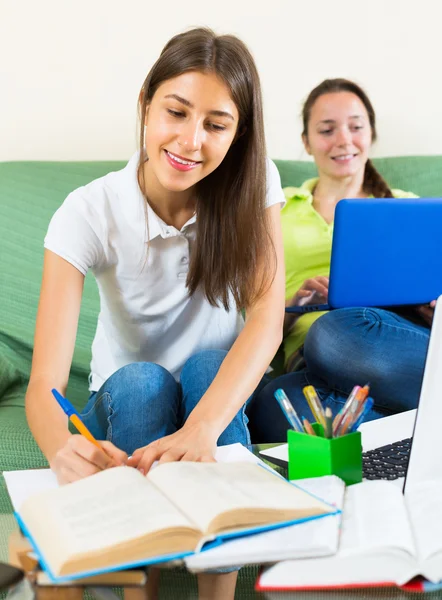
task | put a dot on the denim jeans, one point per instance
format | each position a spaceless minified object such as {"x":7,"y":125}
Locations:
{"x":344,"y":348}
{"x":142,"y":402}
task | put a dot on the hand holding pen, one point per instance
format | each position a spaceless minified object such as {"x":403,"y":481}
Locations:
{"x":82,"y":455}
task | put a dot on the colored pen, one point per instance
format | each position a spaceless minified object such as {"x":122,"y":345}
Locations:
{"x":308,"y":427}
{"x":314,"y":403}
{"x":357,"y":407}
{"x":358,"y":404}
{"x":368,"y":405}
{"x":75,"y":418}
{"x":288,"y":410}
{"x":328,"y":430}
{"x":353,"y":410}
{"x":341,"y":414}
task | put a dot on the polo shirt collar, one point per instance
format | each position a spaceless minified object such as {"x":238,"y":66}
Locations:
{"x":133,"y":204}
{"x":309,"y":186}
{"x":303,"y":192}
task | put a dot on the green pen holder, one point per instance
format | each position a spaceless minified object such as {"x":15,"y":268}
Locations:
{"x":315,"y":455}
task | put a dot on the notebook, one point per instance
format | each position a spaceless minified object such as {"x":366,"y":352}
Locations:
{"x":385,"y":252}
{"x":389,"y":537}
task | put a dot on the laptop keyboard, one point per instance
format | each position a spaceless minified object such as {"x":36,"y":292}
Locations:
{"x":387,"y":462}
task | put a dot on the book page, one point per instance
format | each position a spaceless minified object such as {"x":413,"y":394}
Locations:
{"x":235,"y":453}
{"x":424,"y":506}
{"x":375,"y":517}
{"x":317,"y":537}
{"x":376,"y":545}
{"x":22,"y":484}
{"x":108,"y":508}
{"x":26,"y":482}
{"x":205,"y":490}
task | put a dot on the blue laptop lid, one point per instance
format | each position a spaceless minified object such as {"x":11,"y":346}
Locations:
{"x":386,"y":252}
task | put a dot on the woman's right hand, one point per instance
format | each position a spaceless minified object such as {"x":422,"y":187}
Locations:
{"x":79,"y":458}
{"x":312,"y":290}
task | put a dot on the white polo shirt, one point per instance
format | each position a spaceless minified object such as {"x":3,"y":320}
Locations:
{"x":146,"y":313}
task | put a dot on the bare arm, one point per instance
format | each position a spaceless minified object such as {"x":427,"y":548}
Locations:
{"x":239,"y":374}
{"x":55,"y":333}
{"x":253,"y":350}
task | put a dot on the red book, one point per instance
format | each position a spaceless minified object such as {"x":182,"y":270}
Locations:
{"x":386,"y":540}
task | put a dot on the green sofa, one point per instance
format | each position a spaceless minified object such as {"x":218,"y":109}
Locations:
{"x":30,"y":192}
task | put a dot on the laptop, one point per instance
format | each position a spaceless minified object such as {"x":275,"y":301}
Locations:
{"x":406,"y":447}
{"x":385,"y":252}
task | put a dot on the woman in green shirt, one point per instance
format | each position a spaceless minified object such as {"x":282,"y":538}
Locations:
{"x":347,"y":346}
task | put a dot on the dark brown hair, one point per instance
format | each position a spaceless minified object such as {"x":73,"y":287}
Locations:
{"x":373,"y":181}
{"x":233,"y":244}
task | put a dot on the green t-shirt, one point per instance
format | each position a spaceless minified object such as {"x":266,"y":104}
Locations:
{"x":307,"y":239}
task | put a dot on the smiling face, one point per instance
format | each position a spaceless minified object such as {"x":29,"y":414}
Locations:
{"x":191,"y":123}
{"x":339,"y":135}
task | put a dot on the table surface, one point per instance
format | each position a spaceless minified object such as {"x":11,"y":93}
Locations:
{"x":187,"y":586}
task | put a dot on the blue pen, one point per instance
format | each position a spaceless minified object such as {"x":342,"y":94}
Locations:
{"x":367,"y":408}
{"x":74,"y":417}
{"x":288,"y":410}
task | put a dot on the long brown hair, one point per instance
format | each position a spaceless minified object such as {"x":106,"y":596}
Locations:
{"x":233,"y":243}
{"x":373,"y":182}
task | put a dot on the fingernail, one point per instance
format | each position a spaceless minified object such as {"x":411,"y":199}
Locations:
{"x":142,"y":471}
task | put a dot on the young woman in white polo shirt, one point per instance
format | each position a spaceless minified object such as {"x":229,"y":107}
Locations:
{"x":180,"y":240}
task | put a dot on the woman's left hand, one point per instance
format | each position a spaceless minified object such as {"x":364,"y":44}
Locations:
{"x":193,"y":442}
{"x":426,"y":311}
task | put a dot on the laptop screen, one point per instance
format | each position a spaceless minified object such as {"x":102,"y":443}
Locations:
{"x":386,"y":252}
{"x":425,"y":462}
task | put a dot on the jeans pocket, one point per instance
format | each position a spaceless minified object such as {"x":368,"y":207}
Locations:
{"x":96,"y":415}
{"x":89,"y":404}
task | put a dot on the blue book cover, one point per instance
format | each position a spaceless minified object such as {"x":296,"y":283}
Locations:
{"x":87,"y":523}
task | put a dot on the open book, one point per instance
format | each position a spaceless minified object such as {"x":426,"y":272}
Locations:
{"x":386,"y":539}
{"x":119,"y":518}
{"x":316,"y":537}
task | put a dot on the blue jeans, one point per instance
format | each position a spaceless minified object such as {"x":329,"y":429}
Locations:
{"x":344,"y":348}
{"x":142,"y":402}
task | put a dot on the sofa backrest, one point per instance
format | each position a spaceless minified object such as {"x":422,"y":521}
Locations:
{"x":419,"y":174}
{"x":30,"y":192}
